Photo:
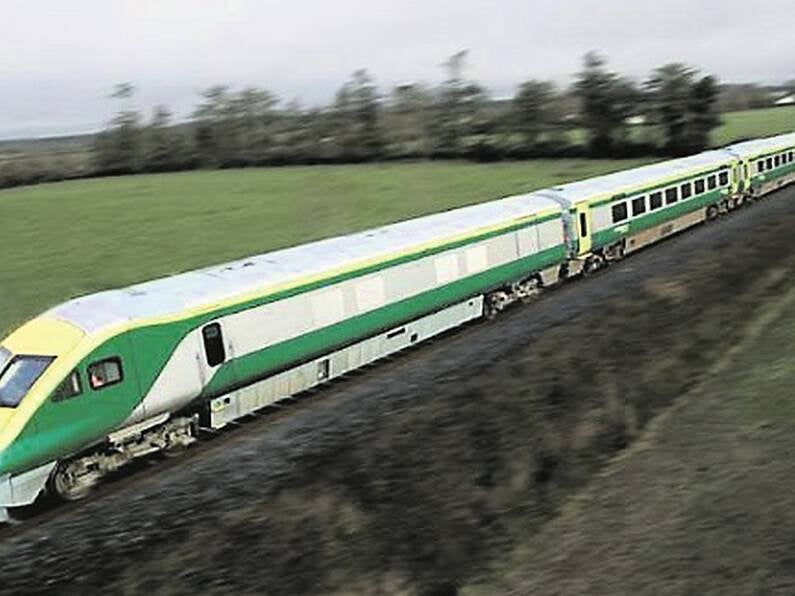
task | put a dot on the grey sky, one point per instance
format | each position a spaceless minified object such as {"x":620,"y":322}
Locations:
{"x":59,"y":58}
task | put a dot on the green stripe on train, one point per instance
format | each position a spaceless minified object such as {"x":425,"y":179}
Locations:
{"x":631,"y":227}
{"x":251,"y":367}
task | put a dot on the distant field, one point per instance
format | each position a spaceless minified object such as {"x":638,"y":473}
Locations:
{"x":735,"y":126}
{"x":66,"y":239}
{"x":754,"y":123}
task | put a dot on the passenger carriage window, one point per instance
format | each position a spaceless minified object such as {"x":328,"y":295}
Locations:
{"x":105,"y":373}
{"x":619,"y":212}
{"x":712,"y":182}
{"x":687,"y":190}
{"x":791,"y":156}
{"x":671,"y":196}
{"x":760,"y":166}
{"x":71,"y":387}
{"x":700,"y":186}
{"x":639,"y":206}
{"x":777,"y":161}
{"x":214,"y":348}
{"x":769,"y":163}
{"x":723,"y":179}
{"x":655,"y":200}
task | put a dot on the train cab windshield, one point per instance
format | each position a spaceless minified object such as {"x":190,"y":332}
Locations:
{"x":17,"y":376}
{"x":5,"y":356}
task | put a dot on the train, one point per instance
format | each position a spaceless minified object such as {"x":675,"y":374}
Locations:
{"x":104,"y":379}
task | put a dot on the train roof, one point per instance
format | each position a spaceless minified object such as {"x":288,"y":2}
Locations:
{"x":766,"y":145}
{"x":218,"y":284}
{"x":627,"y":181}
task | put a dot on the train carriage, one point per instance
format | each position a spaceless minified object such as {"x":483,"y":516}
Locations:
{"x":622,"y":212}
{"x":105,"y":378}
{"x":767,"y":164}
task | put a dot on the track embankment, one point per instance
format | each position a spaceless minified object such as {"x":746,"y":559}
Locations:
{"x":702,"y":503}
{"x":421,"y":476}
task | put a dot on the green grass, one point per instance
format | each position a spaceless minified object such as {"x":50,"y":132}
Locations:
{"x":67,"y":239}
{"x":735,"y":126}
{"x":754,"y":123}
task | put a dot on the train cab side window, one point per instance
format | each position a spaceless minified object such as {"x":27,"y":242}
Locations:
{"x":105,"y":373}
{"x":671,"y":196}
{"x":583,"y":226}
{"x":712,"y":182}
{"x":619,"y":212}
{"x":639,"y":206}
{"x":687,"y":191}
{"x":655,"y":200}
{"x":723,"y":179}
{"x":700,"y":187}
{"x":214,"y":348}
{"x":69,"y":388}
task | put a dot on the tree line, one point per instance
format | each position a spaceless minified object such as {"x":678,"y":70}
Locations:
{"x":602,"y":114}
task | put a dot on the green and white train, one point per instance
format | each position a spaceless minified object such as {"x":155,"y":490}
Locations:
{"x":103,"y":379}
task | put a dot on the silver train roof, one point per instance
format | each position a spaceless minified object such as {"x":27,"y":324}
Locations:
{"x":205,"y":287}
{"x":757,"y":146}
{"x":628,"y":180}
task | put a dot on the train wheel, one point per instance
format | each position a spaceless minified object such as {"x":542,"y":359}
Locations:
{"x":71,"y":482}
{"x":529,"y":290}
{"x":496,"y":303}
{"x":593,"y":264}
{"x":712,"y":212}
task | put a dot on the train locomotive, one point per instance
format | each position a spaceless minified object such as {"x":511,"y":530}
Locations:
{"x":103,"y":379}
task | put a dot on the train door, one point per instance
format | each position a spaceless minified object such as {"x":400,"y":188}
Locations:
{"x":584,"y":227}
{"x":740,"y":177}
{"x":219,"y":370}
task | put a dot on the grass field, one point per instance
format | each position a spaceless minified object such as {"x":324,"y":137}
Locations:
{"x":66,"y":239}
{"x":753,"y":123}
{"x":735,"y":126}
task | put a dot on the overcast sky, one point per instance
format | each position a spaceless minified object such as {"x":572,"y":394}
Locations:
{"x":60,"y":58}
